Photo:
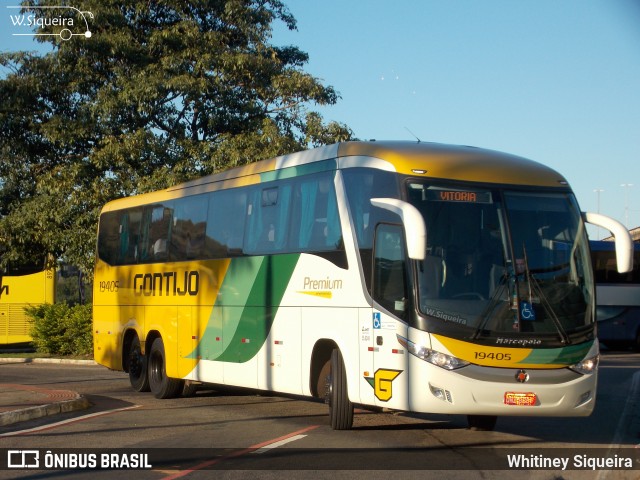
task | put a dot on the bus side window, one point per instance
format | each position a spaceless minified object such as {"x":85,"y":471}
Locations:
{"x":126,"y":251}
{"x":130,"y":236}
{"x":187,"y":228}
{"x":157,"y":220}
{"x":258,"y":228}
{"x":269,"y":207}
{"x":268,"y":219}
{"x":109,"y":245}
{"x":118,"y":236}
{"x":389,"y":269}
{"x":225,"y":223}
{"x":363,"y":184}
{"x":316,"y":222}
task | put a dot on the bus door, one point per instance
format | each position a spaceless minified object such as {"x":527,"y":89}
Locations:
{"x":389,"y":377}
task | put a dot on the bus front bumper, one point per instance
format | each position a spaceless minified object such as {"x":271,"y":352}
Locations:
{"x":476,"y":390}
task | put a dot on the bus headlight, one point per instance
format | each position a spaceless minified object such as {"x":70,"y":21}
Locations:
{"x":439,"y":359}
{"x":586,"y":366}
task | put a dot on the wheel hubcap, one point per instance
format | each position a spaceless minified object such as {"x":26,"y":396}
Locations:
{"x":328,"y":391}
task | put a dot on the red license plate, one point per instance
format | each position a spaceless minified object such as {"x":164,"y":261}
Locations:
{"x":522,"y":399}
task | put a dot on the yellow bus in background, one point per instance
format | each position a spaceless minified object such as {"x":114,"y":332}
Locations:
{"x":413,"y":276}
{"x":20,"y":288}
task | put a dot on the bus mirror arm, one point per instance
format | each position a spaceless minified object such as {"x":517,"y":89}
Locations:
{"x":624,"y":242}
{"x":414,"y":227}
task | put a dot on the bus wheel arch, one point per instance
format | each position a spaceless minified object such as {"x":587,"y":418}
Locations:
{"x":134,"y":362}
{"x":127,"y":339}
{"x":160,"y":384}
{"x":320,"y":367}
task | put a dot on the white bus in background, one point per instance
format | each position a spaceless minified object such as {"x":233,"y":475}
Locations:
{"x":618,"y":297}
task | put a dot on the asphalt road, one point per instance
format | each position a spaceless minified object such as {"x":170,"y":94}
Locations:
{"x":232,"y":433}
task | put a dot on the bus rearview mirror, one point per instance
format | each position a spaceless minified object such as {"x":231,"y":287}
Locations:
{"x":624,"y":242}
{"x":414,"y":227}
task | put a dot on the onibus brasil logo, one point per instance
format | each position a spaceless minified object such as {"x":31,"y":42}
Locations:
{"x":70,"y":21}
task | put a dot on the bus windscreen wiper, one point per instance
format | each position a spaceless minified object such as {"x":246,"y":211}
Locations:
{"x":535,"y":286}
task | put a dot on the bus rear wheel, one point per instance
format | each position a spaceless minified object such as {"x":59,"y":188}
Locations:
{"x":161,"y":385}
{"x":482,"y":423}
{"x":340,"y":407}
{"x":138,"y":373}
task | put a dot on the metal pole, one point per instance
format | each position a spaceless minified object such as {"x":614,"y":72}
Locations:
{"x":626,"y":187}
{"x":598,"y":192}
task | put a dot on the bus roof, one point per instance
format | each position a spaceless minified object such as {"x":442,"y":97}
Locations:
{"x":422,"y":159}
{"x":456,"y":162}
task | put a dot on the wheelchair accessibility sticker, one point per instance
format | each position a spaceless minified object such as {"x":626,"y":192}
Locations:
{"x":526,"y":311}
{"x":380,"y":324}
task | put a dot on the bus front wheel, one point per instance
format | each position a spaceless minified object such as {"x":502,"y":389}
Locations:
{"x":340,"y":407}
{"x":138,"y":373}
{"x":161,"y":385}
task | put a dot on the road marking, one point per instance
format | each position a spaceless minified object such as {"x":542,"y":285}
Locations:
{"x":273,"y":445}
{"x":625,"y":420}
{"x":66,"y":422}
{"x":239,"y":453}
{"x":629,"y":407}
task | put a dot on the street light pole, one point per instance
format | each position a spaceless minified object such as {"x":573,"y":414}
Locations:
{"x":626,"y":187}
{"x":598,"y":192}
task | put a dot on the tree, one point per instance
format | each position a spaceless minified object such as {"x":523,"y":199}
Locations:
{"x":160,"y":92}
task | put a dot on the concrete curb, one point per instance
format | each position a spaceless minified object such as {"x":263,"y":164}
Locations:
{"x":56,"y":401}
{"x":31,"y":413}
{"x":67,"y":361}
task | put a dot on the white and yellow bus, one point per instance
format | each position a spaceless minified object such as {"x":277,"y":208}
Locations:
{"x":20,"y":288}
{"x":413,"y":276}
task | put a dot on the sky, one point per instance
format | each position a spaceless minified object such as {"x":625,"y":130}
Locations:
{"x":556,"y":81}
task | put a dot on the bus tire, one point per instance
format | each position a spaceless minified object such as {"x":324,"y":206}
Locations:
{"x":482,"y":423}
{"x":340,"y":407}
{"x":137,"y":366}
{"x":161,"y":385}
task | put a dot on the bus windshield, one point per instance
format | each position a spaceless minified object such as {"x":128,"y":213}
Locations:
{"x":501,"y":265}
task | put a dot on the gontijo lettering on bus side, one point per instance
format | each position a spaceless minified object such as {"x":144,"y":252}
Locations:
{"x":166,"y":283}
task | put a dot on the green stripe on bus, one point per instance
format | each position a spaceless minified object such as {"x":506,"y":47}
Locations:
{"x":247,"y":303}
{"x":563,"y":356}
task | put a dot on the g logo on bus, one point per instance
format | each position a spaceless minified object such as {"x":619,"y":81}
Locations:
{"x":382,"y":383}
{"x":522,"y":376}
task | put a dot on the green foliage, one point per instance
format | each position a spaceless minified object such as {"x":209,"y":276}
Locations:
{"x":72,"y":289}
{"x":160,"y":92}
{"x":59,"y":329}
